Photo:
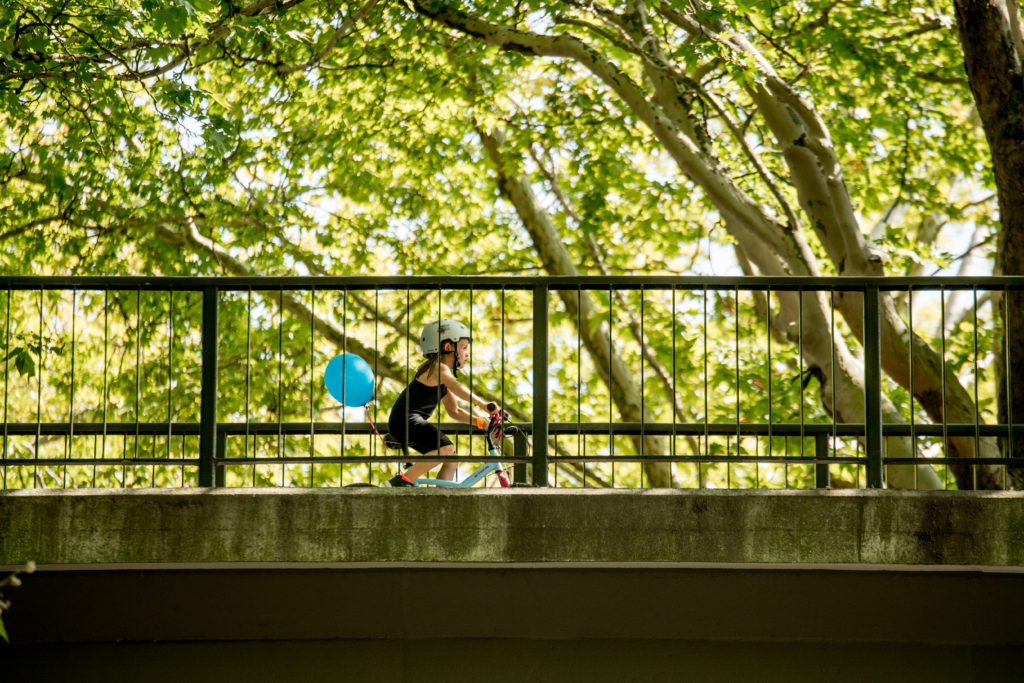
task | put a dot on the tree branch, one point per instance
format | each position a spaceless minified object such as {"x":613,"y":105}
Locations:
{"x":345,"y":27}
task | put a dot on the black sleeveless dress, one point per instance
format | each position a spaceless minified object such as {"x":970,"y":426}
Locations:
{"x":409,"y":422}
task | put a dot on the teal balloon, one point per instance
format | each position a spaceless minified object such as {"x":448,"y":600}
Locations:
{"x":349,"y":380}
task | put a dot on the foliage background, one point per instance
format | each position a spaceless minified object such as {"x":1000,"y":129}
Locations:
{"x":192,"y":137}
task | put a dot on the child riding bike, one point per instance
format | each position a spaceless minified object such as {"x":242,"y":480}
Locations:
{"x":445,"y":345}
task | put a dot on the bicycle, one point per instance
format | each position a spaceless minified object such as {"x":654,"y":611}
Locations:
{"x":498,"y":427}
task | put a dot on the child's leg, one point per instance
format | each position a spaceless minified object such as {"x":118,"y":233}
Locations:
{"x":420,"y":468}
{"x":448,"y":469}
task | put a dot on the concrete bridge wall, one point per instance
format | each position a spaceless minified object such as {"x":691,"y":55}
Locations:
{"x":374,"y":584}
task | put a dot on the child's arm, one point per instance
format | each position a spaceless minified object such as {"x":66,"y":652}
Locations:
{"x":457,"y":390}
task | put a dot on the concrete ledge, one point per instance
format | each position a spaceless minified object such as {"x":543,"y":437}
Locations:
{"x":375,"y":527}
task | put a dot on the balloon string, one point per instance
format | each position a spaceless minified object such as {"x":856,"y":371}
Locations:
{"x":377,"y":431}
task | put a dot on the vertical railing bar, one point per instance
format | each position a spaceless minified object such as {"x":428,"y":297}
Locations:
{"x":170,"y":368}
{"x":757,"y":461}
{"x":643,"y":394}
{"x":707,"y":417}
{"x":757,"y":439}
{"x":182,"y":467}
{"x":138,"y":368}
{"x":7,"y":380}
{"x":580,"y":439}
{"x":800,"y":356}
{"x":821,"y":470}
{"x":785,"y":452}
{"x":942,"y":371}
{"x":344,"y":350}
{"x":860,"y":467}
{"x":106,"y":362}
{"x":376,"y":373}
{"x":502,"y":335}
{"x":672,"y":449}
{"x":280,"y":379}
{"x":208,"y":398}
{"x":736,"y":338}
{"x":1009,"y":368}
{"x":611,"y":377}
{"x":437,"y":445}
{"x":728,"y":470}
{"x":248,"y":378}
{"x":183,"y":461}
{"x":768,"y":333}
{"x":408,"y":316}
{"x":519,"y":443}
{"x":913,"y":434}
{"x":220,"y":456}
{"x":555,"y":439}
{"x":832,"y":361}
{"x":872,"y":387}
{"x":470,"y":437}
{"x":977,"y":408}
{"x":540,"y":385}
{"x":312,"y":352}
{"x":71,"y":408}
{"x":39,"y":392}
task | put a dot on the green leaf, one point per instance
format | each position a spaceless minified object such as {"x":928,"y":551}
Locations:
{"x":24,"y":363}
{"x":170,"y":20}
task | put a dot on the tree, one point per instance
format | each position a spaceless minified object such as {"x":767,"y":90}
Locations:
{"x":262,"y":139}
{"x":991,"y":35}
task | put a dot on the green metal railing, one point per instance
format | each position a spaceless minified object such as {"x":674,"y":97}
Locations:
{"x":209,"y":458}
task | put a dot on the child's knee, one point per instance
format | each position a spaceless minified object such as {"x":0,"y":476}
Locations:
{"x":447,"y":450}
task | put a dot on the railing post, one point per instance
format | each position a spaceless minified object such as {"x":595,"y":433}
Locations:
{"x":208,"y":395}
{"x":822,"y":477}
{"x":519,"y":450}
{"x":540,"y":385}
{"x":873,"y":386}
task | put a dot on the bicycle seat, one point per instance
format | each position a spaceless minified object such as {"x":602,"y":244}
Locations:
{"x":393,"y":444}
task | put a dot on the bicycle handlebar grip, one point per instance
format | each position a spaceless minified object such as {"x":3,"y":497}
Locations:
{"x":491,"y":407}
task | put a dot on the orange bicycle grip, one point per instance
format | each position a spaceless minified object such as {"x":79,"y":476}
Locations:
{"x":480,"y":422}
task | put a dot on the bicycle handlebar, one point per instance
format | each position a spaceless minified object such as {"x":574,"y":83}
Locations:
{"x":496,"y":426}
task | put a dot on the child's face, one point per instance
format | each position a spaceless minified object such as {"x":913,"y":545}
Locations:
{"x":462,"y":351}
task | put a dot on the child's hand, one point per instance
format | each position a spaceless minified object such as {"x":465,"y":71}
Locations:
{"x":493,"y":408}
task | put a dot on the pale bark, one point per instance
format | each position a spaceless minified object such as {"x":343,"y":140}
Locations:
{"x":990,"y":32}
{"x":775,"y":248}
{"x":817,"y":177}
{"x":557,"y":261}
{"x":681,"y":413}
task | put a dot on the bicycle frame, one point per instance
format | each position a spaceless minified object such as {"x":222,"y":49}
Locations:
{"x":495,"y":432}
{"x":471,"y":480}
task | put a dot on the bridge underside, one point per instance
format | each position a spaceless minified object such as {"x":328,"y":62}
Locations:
{"x":371,"y":584}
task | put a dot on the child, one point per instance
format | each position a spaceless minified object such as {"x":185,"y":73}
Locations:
{"x":445,"y":344}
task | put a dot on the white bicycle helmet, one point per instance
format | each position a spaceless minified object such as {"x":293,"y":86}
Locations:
{"x":439,"y":331}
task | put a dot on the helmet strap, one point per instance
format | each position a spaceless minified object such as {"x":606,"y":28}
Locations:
{"x":456,"y":364}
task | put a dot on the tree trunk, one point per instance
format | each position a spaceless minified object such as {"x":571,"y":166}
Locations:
{"x":557,"y":261}
{"x":990,"y":32}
